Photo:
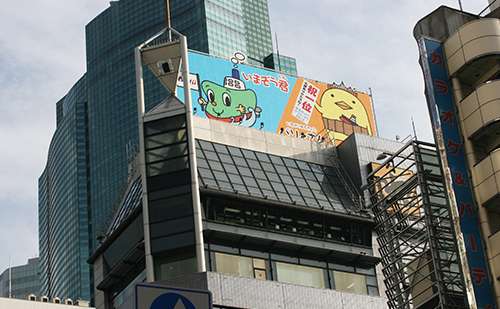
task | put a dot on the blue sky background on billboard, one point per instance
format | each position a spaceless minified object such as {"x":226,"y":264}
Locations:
{"x":363,"y":43}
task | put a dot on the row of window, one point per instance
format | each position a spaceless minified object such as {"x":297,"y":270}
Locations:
{"x":294,"y":274}
{"x":23,"y":280}
{"x":218,"y":31}
{"x":223,"y":6}
{"x":274,"y":268}
{"x":280,"y":220}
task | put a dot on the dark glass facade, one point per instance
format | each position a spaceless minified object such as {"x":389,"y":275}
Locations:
{"x":112,"y":107}
{"x":87,"y":162}
{"x":223,"y":27}
{"x":25,"y":280}
{"x":281,"y":63}
{"x":63,"y":201}
{"x":285,"y":221}
{"x":271,"y":177}
{"x":257,"y":30}
{"x":170,"y":199}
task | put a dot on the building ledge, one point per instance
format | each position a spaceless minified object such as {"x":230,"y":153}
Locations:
{"x":345,"y":254}
{"x":241,"y":292}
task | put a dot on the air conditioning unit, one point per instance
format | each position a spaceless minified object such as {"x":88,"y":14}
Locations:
{"x":32,"y":297}
{"x":56,"y":300}
{"x":82,"y":303}
{"x":68,"y":301}
{"x":44,"y":299}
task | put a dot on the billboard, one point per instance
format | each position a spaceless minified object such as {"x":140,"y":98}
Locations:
{"x":234,"y":92}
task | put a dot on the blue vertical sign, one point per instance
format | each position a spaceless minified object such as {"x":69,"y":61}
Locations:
{"x":443,"y":119}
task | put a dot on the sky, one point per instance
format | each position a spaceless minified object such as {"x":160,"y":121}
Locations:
{"x":364,"y":43}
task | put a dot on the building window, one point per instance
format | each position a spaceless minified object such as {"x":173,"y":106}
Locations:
{"x":303,"y":275}
{"x":175,"y":266}
{"x":359,"y":281}
{"x":350,"y":282}
{"x":240,"y":266}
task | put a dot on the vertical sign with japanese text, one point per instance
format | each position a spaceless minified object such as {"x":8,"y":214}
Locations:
{"x":304,"y":105}
{"x":447,"y":135}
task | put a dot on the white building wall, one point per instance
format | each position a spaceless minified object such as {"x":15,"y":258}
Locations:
{"x":12,"y":303}
{"x":242,"y":292}
{"x":262,"y":141}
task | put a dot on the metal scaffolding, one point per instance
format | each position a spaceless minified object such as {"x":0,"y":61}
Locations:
{"x":415,"y":230}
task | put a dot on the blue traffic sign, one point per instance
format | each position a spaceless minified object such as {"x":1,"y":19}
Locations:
{"x":148,"y":296}
{"x":172,"y":301}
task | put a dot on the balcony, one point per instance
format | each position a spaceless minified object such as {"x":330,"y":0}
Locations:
{"x":480,"y":112}
{"x":473,"y":50}
{"x":487,"y":181}
{"x":493,"y":241}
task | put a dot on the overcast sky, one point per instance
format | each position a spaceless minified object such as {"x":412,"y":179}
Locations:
{"x":364,"y":43}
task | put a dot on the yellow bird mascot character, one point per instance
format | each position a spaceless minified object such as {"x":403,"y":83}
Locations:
{"x":343,"y":113}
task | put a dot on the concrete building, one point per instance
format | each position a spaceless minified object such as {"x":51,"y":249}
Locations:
{"x":279,"y":228}
{"x":86,"y":169}
{"x":258,"y":218}
{"x":264,"y":244}
{"x":465,"y":48}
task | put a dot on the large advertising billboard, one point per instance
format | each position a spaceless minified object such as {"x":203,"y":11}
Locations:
{"x":234,"y":92}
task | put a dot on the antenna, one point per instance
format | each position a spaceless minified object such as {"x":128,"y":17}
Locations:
{"x":414,"y":130}
{"x":10,"y":278}
{"x":374,"y":113}
{"x":167,"y":13}
{"x":460,"y":4}
{"x":278,"y":51}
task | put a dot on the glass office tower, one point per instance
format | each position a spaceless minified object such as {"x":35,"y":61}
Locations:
{"x":86,"y":167}
{"x":222,"y":27}
{"x":24,"y":281}
{"x":87,"y":160}
{"x":63,"y":202}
